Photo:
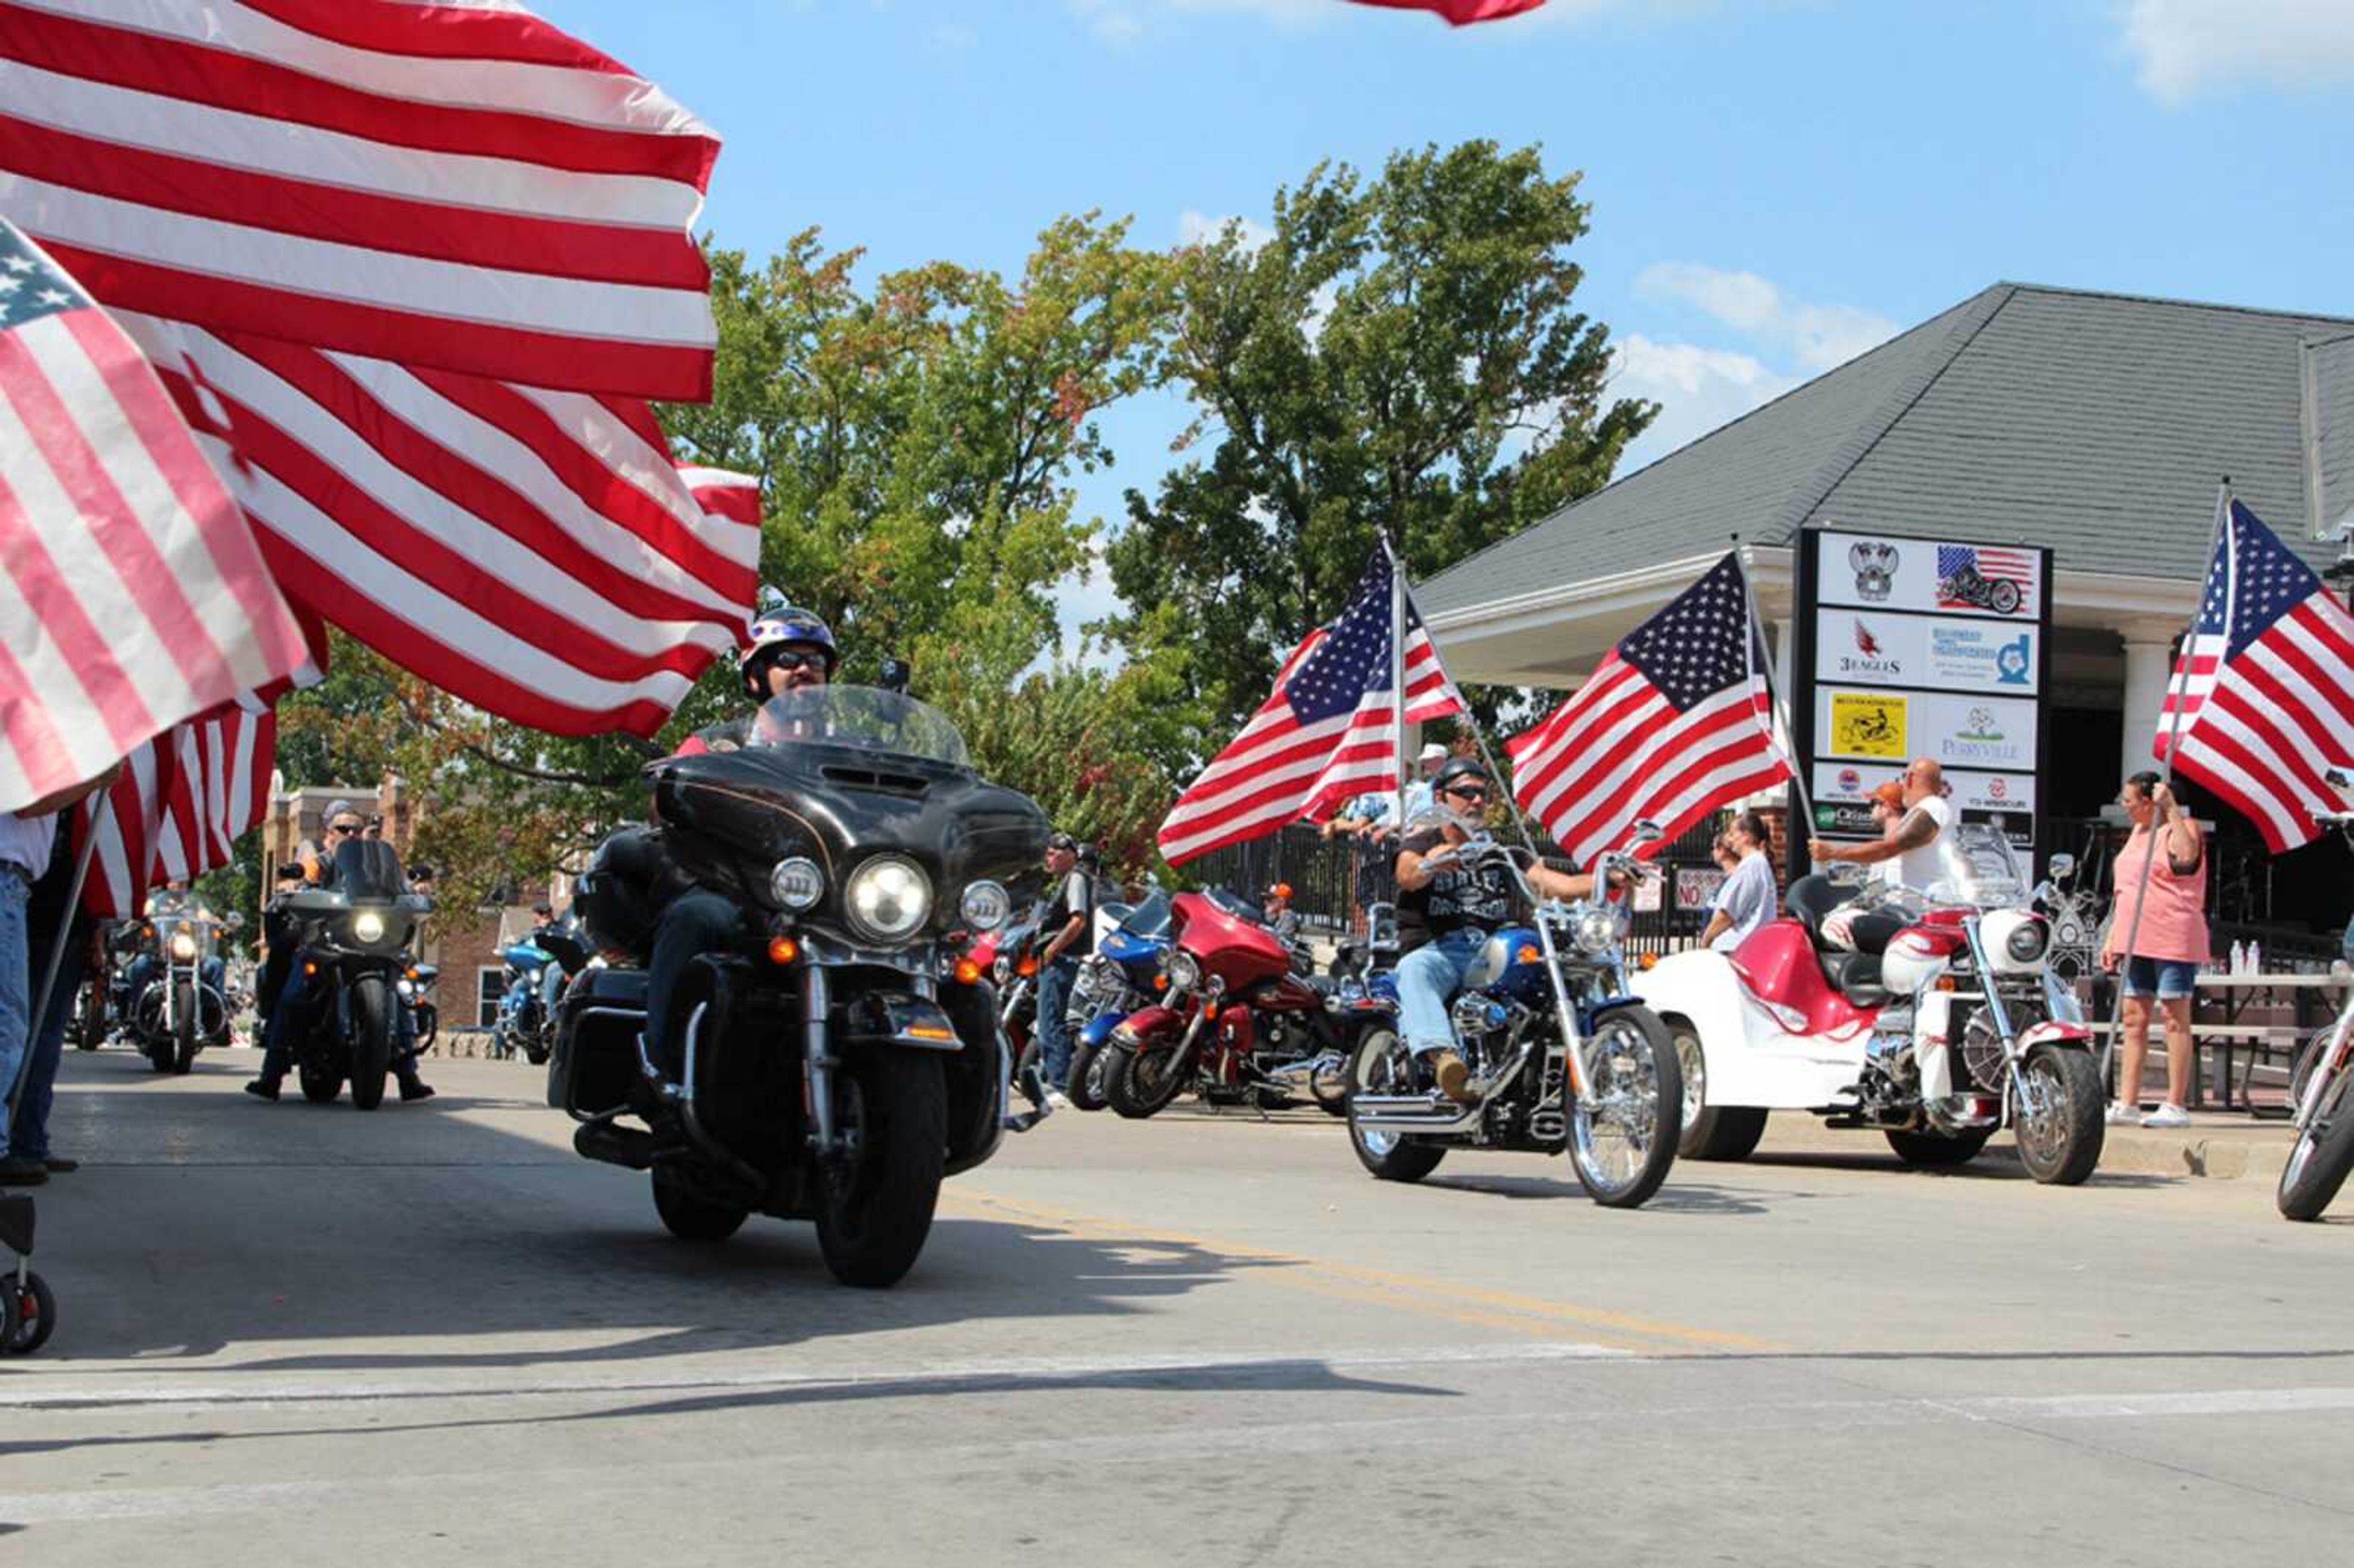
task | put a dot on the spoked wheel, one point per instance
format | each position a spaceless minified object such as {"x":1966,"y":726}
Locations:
{"x":1623,"y":1131}
{"x":2002,"y":596}
{"x":1085,"y":1087}
{"x":693,"y":1218}
{"x":2321,"y":1157}
{"x":1138,"y":1084}
{"x":2059,"y":1121}
{"x":28,"y":1314}
{"x":1328,"y":1081}
{"x":892,"y":1107}
{"x":371,"y":1040}
{"x":1382,"y":1066}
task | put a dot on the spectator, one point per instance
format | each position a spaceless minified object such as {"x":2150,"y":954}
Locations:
{"x":2168,"y":949}
{"x":1068,"y":929}
{"x":1721,"y":850}
{"x":1747,"y":900}
{"x":27,"y":838}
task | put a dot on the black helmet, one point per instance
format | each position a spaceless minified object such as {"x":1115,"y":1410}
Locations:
{"x":784,"y":627}
{"x":1461,"y":769}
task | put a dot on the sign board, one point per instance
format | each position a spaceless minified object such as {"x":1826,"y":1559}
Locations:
{"x":1696,"y":886}
{"x":1921,"y":648}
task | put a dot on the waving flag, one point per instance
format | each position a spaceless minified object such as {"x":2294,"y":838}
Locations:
{"x":180,"y":805}
{"x":420,"y":265}
{"x":1327,"y":733}
{"x":138,"y":597}
{"x":2265,"y":687}
{"x":1459,"y":12}
{"x":1675,"y":722}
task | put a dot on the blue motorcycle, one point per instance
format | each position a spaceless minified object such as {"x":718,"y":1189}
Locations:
{"x":538,"y":967}
{"x":1115,"y":979}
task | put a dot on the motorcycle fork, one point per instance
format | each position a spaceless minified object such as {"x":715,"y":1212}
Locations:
{"x":817,"y":1049}
{"x":1990,"y":997}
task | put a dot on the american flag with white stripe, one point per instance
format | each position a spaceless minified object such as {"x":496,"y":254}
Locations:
{"x":1674,"y":723}
{"x":180,"y":805}
{"x":1326,"y":734}
{"x":419,"y":267}
{"x":2265,"y":686}
{"x":138,"y":595}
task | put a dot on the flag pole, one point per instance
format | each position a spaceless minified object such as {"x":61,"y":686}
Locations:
{"x":1397,"y":668}
{"x":2180,"y":675}
{"x":58,"y":948}
{"x":1784,"y":737}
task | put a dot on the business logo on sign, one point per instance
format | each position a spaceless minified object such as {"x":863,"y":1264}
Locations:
{"x":1867,"y":723}
{"x":1997,"y":788}
{"x":1870,"y":656}
{"x":1849,"y":779}
{"x":1982,"y":739}
{"x":1982,"y":654}
{"x":1875,"y":569}
{"x":1969,"y":577}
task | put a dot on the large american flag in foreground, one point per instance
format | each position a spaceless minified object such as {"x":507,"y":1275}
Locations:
{"x":1328,"y":733}
{"x":180,"y":805}
{"x":1674,"y":723}
{"x":2265,"y":686}
{"x":136,"y":594}
{"x":421,"y":266}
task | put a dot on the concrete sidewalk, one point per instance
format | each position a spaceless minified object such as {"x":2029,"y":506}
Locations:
{"x":2220,"y":1144}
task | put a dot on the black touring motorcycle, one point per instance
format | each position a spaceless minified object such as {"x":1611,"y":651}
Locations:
{"x":353,"y":937}
{"x":838,"y":1062}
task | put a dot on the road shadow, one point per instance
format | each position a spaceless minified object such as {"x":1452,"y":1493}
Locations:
{"x":1677,"y":1197}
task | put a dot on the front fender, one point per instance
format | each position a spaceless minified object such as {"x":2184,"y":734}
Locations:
{"x":2050,"y":1033}
{"x":1151,"y":1030}
{"x":1099,"y":1029}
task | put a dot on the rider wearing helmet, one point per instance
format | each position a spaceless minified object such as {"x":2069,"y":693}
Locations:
{"x":1448,"y":910}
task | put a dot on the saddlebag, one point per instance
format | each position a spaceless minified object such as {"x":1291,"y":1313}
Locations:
{"x":596,"y":1056}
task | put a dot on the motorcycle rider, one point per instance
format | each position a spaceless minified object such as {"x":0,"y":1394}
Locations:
{"x":1447,"y":911}
{"x":1919,"y":851}
{"x":291,"y":1007}
{"x":173,"y":900}
{"x":792,"y":650}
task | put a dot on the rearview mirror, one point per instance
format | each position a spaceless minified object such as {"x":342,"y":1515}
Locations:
{"x":236,"y":921}
{"x":2061,"y":867}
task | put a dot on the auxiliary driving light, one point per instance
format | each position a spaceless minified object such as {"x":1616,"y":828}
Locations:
{"x":796,"y":883}
{"x":985,"y":906}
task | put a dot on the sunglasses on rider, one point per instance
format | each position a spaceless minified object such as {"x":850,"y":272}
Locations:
{"x":1474,"y":793}
{"x":795,"y":659}
{"x":343,"y":829}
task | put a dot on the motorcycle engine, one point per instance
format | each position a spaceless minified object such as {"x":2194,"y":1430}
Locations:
{"x":1482,"y":1031}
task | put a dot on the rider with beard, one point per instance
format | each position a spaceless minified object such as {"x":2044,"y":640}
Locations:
{"x":1447,"y":911}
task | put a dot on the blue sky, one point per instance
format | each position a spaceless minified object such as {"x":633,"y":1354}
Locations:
{"x":1776,"y":184}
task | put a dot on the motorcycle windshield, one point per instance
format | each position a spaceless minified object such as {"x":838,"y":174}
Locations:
{"x":1984,"y":872}
{"x":864,"y":718}
{"x":369,"y":869}
{"x":1149,"y":921}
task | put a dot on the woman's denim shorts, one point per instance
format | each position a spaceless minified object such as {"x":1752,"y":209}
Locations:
{"x":2169,"y":978}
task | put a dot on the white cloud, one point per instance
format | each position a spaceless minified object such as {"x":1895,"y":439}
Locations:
{"x":1199,"y":228}
{"x":1697,"y":389}
{"x":2185,"y":48}
{"x":1817,"y":336}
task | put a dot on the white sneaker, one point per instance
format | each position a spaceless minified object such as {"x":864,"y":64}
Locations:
{"x":2122,"y":1112}
{"x":2166,"y":1116}
{"x":1058,"y":1099}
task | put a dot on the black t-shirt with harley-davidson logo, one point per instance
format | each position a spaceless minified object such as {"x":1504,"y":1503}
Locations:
{"x":1455,"y":898}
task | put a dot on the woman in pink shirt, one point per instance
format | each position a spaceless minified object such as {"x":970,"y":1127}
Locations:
{"x":2167,"y":947}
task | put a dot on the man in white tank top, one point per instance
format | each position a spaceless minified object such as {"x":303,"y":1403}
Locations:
{"x":1919,"y":855}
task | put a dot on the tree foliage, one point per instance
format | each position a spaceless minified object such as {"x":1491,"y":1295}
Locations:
{"x":1402,"y":354}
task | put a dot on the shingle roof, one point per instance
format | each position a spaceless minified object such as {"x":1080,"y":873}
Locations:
{"x":2095,"y":423}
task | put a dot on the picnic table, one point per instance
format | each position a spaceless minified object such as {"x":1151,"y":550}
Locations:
{"x":2306,"y":997}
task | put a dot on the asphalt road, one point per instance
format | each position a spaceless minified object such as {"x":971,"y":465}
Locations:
{"x":431,"y":1335}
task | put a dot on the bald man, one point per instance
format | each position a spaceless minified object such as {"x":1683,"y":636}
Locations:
{"x":1920,"y":849}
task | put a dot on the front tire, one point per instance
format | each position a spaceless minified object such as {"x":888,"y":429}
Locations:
{"x":2321,"y":1157}
{"x":693,"y":1218}
{"x":1085,"y":1088}
{"x":1937,"y":1151}
{"x":2003,"y":595}
{"x":2060,"y":1128}
{"x":1141,"y":1084}
{"x":876,"y":1208}
{"x":185,"y":1041}
{"x":31,"y":1316}
{"x":1711,"y":1132}
{"x":371,"y":1040}
{"x":1383,"y":1065}
{"x":1623,"y":1132}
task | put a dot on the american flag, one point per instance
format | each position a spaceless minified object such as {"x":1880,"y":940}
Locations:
{"x":138,"y":597}
{"x":2265,"y":687}
{"x":1674,"y":723}
{"x":1327,"y":733}
{"x":180,"y":805}
{"x":2014,"y":566}
{"x":419,"y":266}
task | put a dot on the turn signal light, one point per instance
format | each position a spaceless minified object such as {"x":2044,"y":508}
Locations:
{"x":1530,"y":953}
{"x":1028,"y":966}
{"x":1210,"y":1011}
{"x":1161,"y":983}
{"x":783,"y":950}
{"x":929,"y":1032}
{"x":967,"y":972}
{"x":1649,"y":960}
{"x":1945,"y":982}
{"x":309,"y":970}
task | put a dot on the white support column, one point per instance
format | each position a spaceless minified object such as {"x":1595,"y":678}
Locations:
{"x":2149,"y":667}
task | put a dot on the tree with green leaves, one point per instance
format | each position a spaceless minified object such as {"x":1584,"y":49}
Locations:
{"x":1403,"y":353}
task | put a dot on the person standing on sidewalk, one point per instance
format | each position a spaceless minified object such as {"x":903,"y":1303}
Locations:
{"x":1068,"y":927}
{"x":2169,"y":945}
{"x":27,"y":837}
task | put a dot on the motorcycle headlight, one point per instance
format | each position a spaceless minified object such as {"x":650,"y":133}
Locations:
{"x":1595,"y":929}
{"x":367,"y":926}
{"x":184,"y":947}
{"x":889,"y":899}
{"x":1185,"y":970}
{"x":985,"y":906}
{"x":406,"y":989}
{"x":2027,"y":941}
{"x":1003,"y":970}
{"x":796,"y":883}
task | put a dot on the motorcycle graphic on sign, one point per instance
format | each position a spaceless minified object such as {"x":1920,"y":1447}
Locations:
{"x":1867,"y":723}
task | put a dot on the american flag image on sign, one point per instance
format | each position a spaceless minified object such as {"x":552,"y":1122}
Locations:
{"x":1327,"y":733}
{"x":1976,"y":577}
{"x":2264,"y":690}
{"x":135,"y":593}
{"x":1675,"y":722}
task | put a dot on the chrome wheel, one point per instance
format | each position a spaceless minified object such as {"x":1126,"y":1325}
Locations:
{"x":1695,"y":1074}
{"x":1384,"y":1066}
{"x":1619,"y":1140}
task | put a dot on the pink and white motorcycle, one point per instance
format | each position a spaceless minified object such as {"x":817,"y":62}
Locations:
{"x":1956,"y":1030}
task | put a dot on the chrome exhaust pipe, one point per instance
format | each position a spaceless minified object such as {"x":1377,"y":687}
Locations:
{"x":1433,"y":1112}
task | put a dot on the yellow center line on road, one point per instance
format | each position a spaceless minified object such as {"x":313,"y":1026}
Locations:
{"x":1418,"y":1294}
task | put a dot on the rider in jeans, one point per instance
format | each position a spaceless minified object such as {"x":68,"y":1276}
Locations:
{"x":1447,"y":911}
{"x":1068,"y":927}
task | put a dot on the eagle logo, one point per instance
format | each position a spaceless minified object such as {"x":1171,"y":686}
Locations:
{"x":1865,"y":643}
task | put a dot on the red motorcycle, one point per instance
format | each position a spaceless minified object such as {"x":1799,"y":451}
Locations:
{"x":1235,"y":1023}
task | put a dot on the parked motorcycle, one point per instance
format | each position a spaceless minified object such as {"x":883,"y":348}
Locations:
{"x":1562,"y":1057}
{"x":2321,"y":1088}
{"x":103,"y":999}
{"x":353,"y":940}
{"x":1957,"y":1030}
{"x":1234,"y":1023}
{"x":1008,"y":959}
{"x":538,"y":967}
{"x":185,"y":1006}
{"x":1118,"y":979}
{"x":837,"y":1060}
{"x":416,"y":990}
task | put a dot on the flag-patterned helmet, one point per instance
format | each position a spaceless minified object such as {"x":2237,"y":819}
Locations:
{"x":786,"y":627}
